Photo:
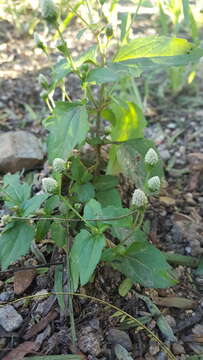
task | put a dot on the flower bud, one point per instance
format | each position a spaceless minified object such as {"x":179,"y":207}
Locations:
{"x":109,"y":31}
{"x":59,"y":165}
{"x":48,"y":10}
{"x":154,"y":183}
{"x":49,"y":185}
{"x":39,"y":42}
{"x":151,"y":157}
{"x":6,"y":219}
{"x":139,"y":198}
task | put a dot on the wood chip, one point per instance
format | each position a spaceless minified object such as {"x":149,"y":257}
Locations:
{"x":23,"y":349}
{"x":22,"y":280}
{"x":168,"y":201}
{"x":41,"y":325}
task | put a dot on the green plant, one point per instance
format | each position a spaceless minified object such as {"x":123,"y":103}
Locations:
{"x":81,"y":206}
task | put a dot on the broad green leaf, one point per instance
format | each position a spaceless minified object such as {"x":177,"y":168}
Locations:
{"x":58,"y":234}
{"x":85,"y":255}
{"x":93,"y":210}
{"x":14,"y":192}
{"x":90,"y":55}
{"x":113,"y":72}
{"x":60,"y":70}
{"x":58,"y":285}
{"x":86,"y":192}
{"x":144,"y":264}
{"x":33,"y":204}
{"x":105,"y":182}
{"x":15,"y":242}
{"x":114,"y":212}
{"x":129,"y":121}
{"x":109,"y":197}
{"x":79,"y":172}
{"x":68,"y":128}
{"x":153,"y":46}
{"x":42,"y":229}
{"x":51,"y":203}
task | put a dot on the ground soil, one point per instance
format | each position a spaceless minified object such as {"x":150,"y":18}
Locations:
{"x":175,"y":124}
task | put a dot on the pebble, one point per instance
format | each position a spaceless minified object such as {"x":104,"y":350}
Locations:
{"x":164,"y":154}
{"x":88,"y":341}
{"x":10,"y":319}
{"x":198,"y":329}
{"x":116,"y":336}
{"x":19,"y":150}
{"x":178,"y":349}
{"x":170,"y":320}
{"x":43,"y":335}
{"x":5,"y":296}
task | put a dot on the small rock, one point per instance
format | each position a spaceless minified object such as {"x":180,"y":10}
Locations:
{"x":198,"y":329}
{"x":1,"y":284}
{"x":164,"y":154}
{"x":154,"y":348}
{"x":171,"y":321}
{"x":88,"y":341}
{"x":19,"y":150}
{"x":43,"y":335}
{"x":9,"y":318}
{"x":178,"y":349}
{"x":116,"y":336}
{"x":5,"y":296}
{"x":2,"y":342}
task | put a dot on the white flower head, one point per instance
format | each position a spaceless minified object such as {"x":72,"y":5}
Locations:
{"x":139,"y":198}
{"x":49,"y":185}
{"x":6,"y":219}
{"x":48,"y":10}
{"x":154,"y":183}
{"x":151,"y":157}
{"x":59,"y":165}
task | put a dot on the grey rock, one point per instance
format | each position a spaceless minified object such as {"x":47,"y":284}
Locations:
{"x":164,"y":154}
{"x":5,"y":296}
{"x":43,"y":335}
{"x":19,"y":150}
{"x":178,"y":349}
{"x":9,"y":318}
{"x":89,"y":341}
{"x":116,"y":336}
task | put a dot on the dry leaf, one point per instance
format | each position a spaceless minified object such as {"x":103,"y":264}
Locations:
{"x":21,"y":350}
{"x":174,"y":301}
{"x":23,"y":279}
{"x":168,"y":201}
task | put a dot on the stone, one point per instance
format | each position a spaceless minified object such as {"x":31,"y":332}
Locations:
{"x":178,"y":349}
{"x":10,"y":319}
{"x":19,"y":150}
{"x":88,"y":341}
{"x":116,"y":336}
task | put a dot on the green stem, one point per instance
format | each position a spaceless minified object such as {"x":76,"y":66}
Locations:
{"x":92,"y":228}
{"x":135,"y":225}
{"x":177,"y":259}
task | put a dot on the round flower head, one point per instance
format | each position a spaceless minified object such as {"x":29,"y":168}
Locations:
{"x":151,"y":157}
{"x":49,"y":11}
{"x":139,"y":198}
{"x":59,"y":165}
{"x":154,"y":183}
{"x":49,"y":184}
{"x":6,"y":219}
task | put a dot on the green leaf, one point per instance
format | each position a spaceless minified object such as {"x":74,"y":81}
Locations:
{"x":79,"y":172}
{"x":105,"y":182}
{"x":58,"y":285}
{"x":93,"y":210}
{"x":90,"y":55}
{"x":144,"y":264}
{"x":60,"y":70}
{"x":128,"y":158}
{"x":113,"y":72}
{"x":113,"y":212}
{"x":129,"y":121}
{"x":86,"y":192}
{"x":68,"y":128}
{"x":33,"y":204}
{"x":199,"y":270}
{"x":125,"y":287}
{"x":14,"y":192}
{"x":153,"y":46}
{"x":58,"y":234}
{"x":51,"y":203}
{"x":42,"y":228}
{"x":85,"y":255}
{"x":15,"y":242}
{"x":109,"y":197}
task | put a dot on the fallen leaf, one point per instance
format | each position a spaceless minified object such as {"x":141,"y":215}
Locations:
{"x":21,"y":350}
{"x":23,"y":279}
{"x":41,"y":325}
{"x":168,"y":201}
{"x":177,"y":302}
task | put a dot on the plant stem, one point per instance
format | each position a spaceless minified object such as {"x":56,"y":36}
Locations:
{"x":177,"y":259}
